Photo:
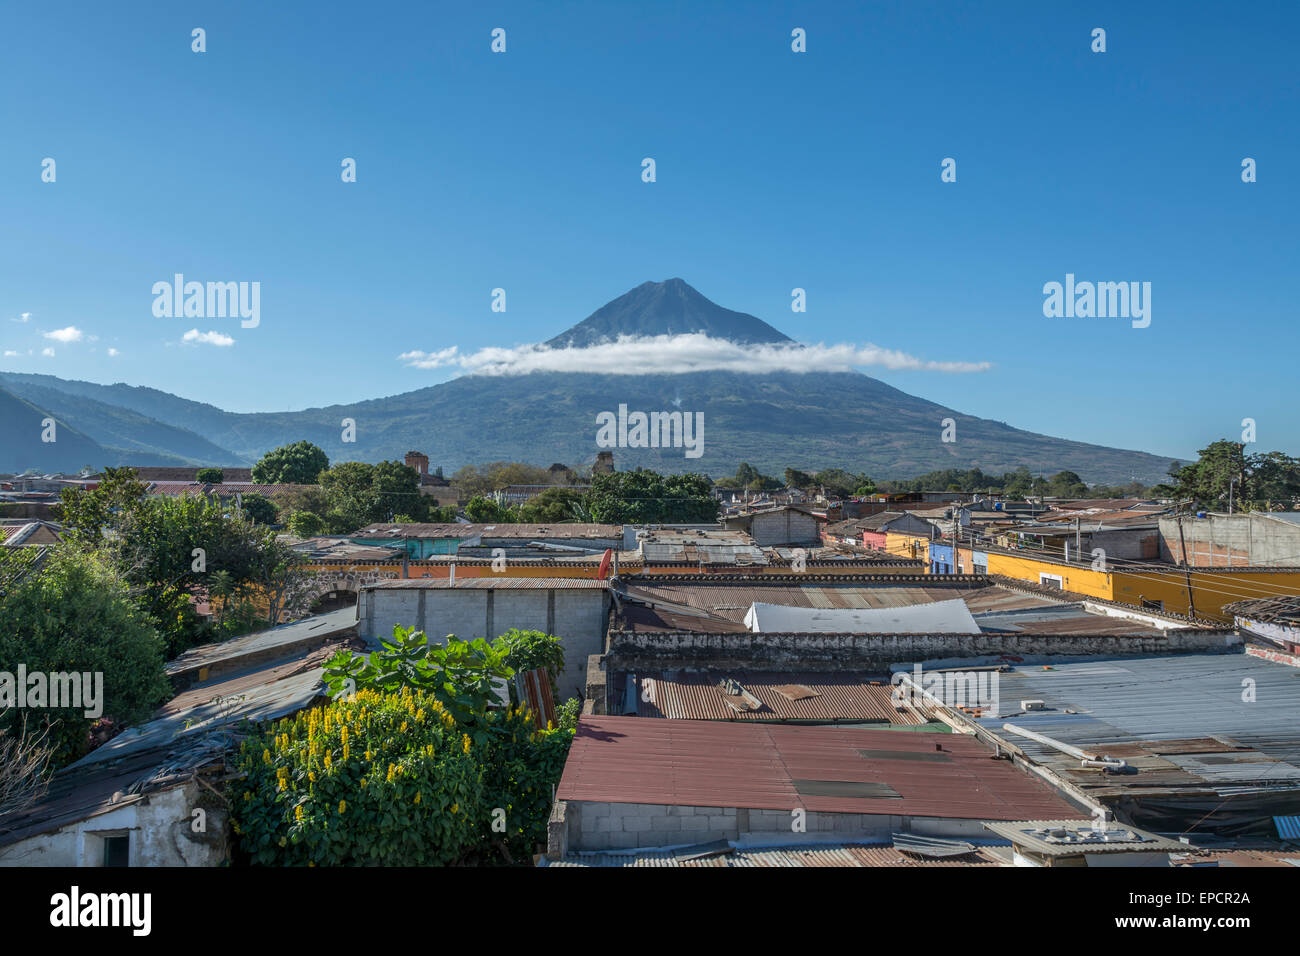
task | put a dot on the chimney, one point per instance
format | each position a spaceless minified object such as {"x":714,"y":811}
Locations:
{"x":418,"y":461}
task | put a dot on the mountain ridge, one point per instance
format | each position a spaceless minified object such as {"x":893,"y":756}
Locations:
{"x":771,"y":420}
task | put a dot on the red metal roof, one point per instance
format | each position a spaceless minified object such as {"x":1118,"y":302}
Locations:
{"x":756,"y":766}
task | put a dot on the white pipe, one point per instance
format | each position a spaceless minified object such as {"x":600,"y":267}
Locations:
{"x":1087,"y":759}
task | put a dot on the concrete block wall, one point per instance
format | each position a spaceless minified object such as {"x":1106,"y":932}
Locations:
{"x":595,"y":826}
{"x":577,"y":617}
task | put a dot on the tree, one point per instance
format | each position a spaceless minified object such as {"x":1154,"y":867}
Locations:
{"x":259,"y":508}
{"x":169,"y":550}
{"x":75,"y":614}
{"x":349,"y":489}
{"x":396,"y":490}
{"x":358,"y":494}
{"x":391,"y":778}
{"x":300,"y":463}
{"x":797,"y":479}
{"x":840,"y":483}
{"x":1223,"y":468}
{"x":552,"y":506}
{"x":280,"y":576}
{"x":213,"y":476}
{"x":482,"y":480}
{"x":1207,"y":480}
{"x":90,"y":512}
{"x":24,"y":758}
{"x":1272,"y":477}
{"x":1066,"y":484}
{"x":647,"y":497}
{"x":482,"y":510}
{"x":304,"y":524}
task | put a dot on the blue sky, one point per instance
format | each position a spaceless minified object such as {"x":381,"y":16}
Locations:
{"x":522,"y":170}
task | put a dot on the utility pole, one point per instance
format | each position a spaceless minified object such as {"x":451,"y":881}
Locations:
{"x":1182,"y":543}
{"x":1231,"y":482}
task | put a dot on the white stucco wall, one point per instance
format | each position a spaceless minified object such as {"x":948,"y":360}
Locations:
{"x":160,"y":829}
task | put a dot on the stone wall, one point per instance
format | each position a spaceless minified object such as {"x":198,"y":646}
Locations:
{"x":833,"y":652}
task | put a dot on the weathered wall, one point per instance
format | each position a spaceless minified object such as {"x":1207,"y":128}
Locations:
{"x":663,"y":650}
{"x":782,"y":528}
{"x":1211,"y":590}
{"x":624,"y":826}
{"x":160,"y":828}
{"x":1232,"y":541}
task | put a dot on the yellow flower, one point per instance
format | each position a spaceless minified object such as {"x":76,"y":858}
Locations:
{"x":405,"y":725}
{"x":247,"y":795}
{"x":343,"y":805}
{"x":417,"y":796}
{"x":266,"y":756}
{"x":328,"y":758}
{"x":368,"y":756}
{"x":282,"y":841}
{"x":297,"y":813}
{"x":465,"y":742}
{"x":419,"y":716}
{"x":392,"y":769}
{"x":345,"y":751}
{"x":455,"y":808}
{"x":311,"y":775}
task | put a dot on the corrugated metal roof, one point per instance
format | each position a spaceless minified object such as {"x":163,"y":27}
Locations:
{"x":695,"y":695}
{"x":814,"y":855}
{"x":756,"y":766}
{"x":996,"y":608}
{"x":1070,"y":838}
{"x":1193,"y":721}
{"x":266,"y":645}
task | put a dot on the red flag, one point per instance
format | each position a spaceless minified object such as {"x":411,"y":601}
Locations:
{"x":604,"y":564}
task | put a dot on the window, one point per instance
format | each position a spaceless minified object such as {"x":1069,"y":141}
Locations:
{"x":108,"y":848}
{"x":1052,"y":581}
{"x":1154,"y":605}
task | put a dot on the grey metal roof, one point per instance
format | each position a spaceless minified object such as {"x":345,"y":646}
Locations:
{"x":1070,"y":838}
{"x":268,"y":644}
{"x":1194,"y":702}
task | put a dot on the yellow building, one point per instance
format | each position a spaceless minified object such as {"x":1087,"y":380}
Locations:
{"x":1160,"y":587}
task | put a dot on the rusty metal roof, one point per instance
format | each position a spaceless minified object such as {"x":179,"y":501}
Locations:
{"x":767,"y":766}
{"x":814,"y":697}
{"x":698,"y":605}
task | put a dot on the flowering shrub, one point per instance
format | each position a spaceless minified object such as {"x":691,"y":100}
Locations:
{"x":393,"y":779}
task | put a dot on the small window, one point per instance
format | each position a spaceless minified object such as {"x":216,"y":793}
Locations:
{"x":1052,"y":581}
{"x":117,"y":850}
{"x":1154,"y":605}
